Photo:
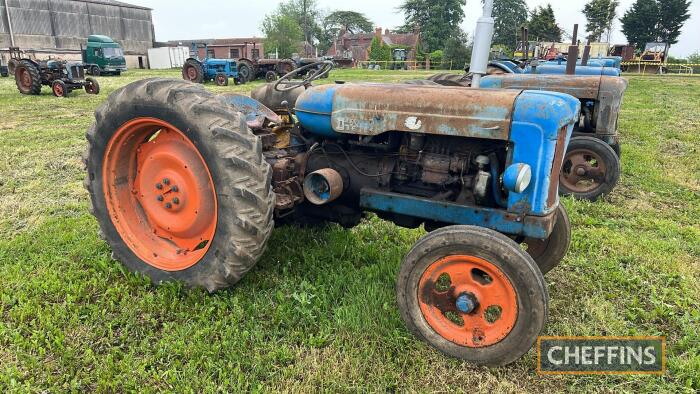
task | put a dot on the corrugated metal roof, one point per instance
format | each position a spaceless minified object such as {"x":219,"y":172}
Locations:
{"x":115,"y":3}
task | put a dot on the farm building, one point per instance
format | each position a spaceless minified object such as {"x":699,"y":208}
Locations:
{"x":58,"y":28}
{"x":227,"y":48}
{"x":356,"y":46}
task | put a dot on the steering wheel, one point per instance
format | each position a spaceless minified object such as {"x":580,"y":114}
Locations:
{"x":286,"y":84}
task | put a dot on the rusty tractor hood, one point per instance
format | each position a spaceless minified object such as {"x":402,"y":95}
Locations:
{"x":581,"y":87}
{"x":372,"y":109}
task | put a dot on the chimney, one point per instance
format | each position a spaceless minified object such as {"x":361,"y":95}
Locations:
{"x":387,"y":32}
{"x":378,"y":33}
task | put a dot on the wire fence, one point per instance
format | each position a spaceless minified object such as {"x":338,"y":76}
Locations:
{"x":407,"y":65}
{"x":660,"y":68}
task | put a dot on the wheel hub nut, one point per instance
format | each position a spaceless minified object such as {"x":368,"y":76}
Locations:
{"x":466,"y":303}
{"x":581,"y":172}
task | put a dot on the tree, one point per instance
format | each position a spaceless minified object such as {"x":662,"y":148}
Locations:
{"x":655,"y":20}
{"x":639,"y":23}
{"x":282,"y":33}
{"x":543,"y":24}
{"x":509,"y":16}
{"x":457,"y":50}
{"x":672,"y":16}
{"x":436,"y":20}
{"x":600,"y":15}
{"x":378,"y":51}
{"x":351,"y":21}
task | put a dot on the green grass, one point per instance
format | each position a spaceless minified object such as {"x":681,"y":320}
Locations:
{"x":319,"y":312}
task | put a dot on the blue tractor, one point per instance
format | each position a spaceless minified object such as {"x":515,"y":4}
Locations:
{"x":209,"y":69}
{"x":188,"y":186}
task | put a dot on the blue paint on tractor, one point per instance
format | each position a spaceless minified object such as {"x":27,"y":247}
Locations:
{"x":552,"y":68}
{"x":466,"y":303}
{"x":314,"y":110}
{"x":539,"y":118}
{"x":440,"y":211}
{"x":555,"y":69}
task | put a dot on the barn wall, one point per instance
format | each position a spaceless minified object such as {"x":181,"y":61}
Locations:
{"x":66,"y":24}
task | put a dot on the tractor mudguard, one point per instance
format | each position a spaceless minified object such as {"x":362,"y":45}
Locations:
{"x":253,"y":111}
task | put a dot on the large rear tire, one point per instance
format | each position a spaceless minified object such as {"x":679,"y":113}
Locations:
{"x":245,"y":71}
{"x":178,"y":184}
{"x":27,"y":78}
{"x":192,"y":71}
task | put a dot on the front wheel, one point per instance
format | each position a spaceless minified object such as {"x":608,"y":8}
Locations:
{"x":548,"y":253}
{"x":591,"y":169}
{"x":473,"y":294}
{"x":178,"y":184}
{"x":221,"y":79}
{"x":92,"y":86}
{"x":59,"y":89}
{"x":95,"y":71}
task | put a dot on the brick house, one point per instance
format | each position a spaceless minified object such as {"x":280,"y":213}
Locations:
{"x":228,"y":48}
{"x":356,"y":46}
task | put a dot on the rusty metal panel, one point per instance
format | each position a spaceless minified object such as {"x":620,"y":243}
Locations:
{"x":607,"y":111}
{"x":372,"y":109}
{"x":581,"y":87}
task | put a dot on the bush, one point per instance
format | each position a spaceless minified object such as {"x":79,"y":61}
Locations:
{"x":378,"y":52}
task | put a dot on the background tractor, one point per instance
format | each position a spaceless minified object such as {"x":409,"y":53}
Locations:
{"x":591,"y":168}
{"x":188,"y":186}
{"x":209,"y":69}
{"x":63,"y":77}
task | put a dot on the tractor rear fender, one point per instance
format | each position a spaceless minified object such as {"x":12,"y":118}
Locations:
{"x":607,"y":110}
{"x":254,"y":112}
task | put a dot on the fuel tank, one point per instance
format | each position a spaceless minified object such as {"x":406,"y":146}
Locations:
{"x":554,"y":69}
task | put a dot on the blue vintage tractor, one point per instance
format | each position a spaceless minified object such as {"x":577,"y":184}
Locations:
{"x":188,"y":186}
{"x":209,"y":69}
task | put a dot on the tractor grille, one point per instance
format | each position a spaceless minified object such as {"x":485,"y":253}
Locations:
{"x":78,"y":72}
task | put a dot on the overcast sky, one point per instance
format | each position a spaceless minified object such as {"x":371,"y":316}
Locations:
{"x":175,"y":20}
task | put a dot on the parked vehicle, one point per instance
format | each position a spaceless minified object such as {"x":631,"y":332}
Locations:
{"x":103,"y":56}
{"x":206,"y":201}
{"x":209,"y":69}
{"x":188,"y":186}
{"x":591,"y":167}
{"x":62,"y":76}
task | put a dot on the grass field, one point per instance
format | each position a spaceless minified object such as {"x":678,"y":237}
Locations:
{"x":318,"y":312}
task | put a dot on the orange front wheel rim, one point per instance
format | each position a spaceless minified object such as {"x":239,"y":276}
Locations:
{"x":468,"y":301}
{"x":159,"y":194}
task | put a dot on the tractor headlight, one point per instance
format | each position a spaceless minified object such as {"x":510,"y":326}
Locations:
{"x":517,"y":177}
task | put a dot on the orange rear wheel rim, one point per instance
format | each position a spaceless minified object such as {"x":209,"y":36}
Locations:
{"x":496,"y":306}
{"x":159,"y":194}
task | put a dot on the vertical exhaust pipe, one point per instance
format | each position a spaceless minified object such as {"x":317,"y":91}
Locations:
{"x":573,"y":53}
{"x":586,"y":54}
{"x":526,"y":43}
{"x":482,"y":45}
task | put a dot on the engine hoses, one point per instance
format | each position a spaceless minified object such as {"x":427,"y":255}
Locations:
{"x":496,"y":182}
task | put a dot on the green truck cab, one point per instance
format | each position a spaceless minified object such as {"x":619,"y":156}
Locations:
{"x":103,"y":56}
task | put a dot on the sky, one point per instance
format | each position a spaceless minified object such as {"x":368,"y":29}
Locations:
{"x":179,"y":20}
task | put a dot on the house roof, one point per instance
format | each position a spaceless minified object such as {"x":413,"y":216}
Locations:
{"x":220,"y":41}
